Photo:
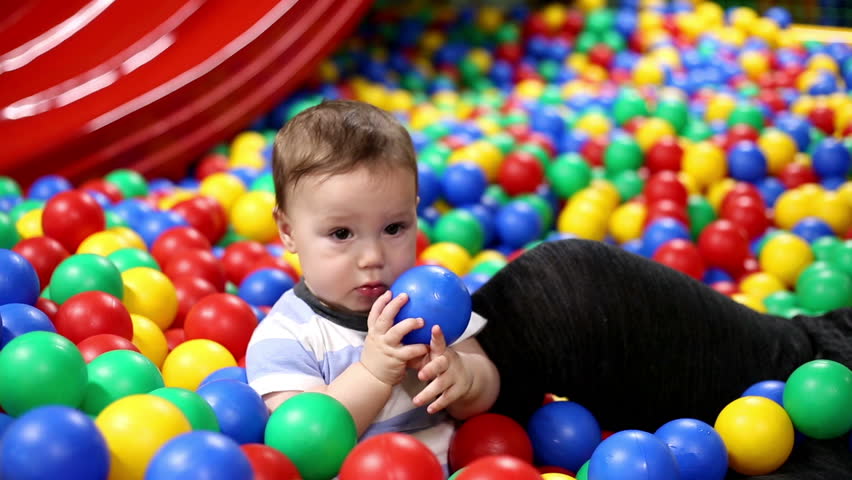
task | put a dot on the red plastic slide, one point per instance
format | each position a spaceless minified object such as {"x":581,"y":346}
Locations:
{"x":87,"y":86}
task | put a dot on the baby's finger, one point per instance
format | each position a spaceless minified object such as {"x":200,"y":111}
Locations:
{"x":438,"y":344}
{"x":412,"y":352}
{"x":390,"y":310}
{"x":430,"y":393}
{"x":403,"y":328}
{"x":435,"y":367}
{"x":446,"y":399}
{"x":376,"y":309}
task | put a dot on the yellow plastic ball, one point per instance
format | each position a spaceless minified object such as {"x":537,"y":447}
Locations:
{"x":690,"y":25}
{"x":529,"y":89}
{"x":450,"y":255}
{"x":711,"y":14}
{"x":556,"y":476}
{"x":149,"y":339}
{"x":650,"y":20}
{"x":29,"y":225}
{"x":719,"y":108}
{"x":651,"y":131}
{"x":150,"y":293}
{"x":717,"y":191}
{"x":134,"y":428}
{"x":374,"y":94}
{"x":834,"y":210}
{"x":600,"y":198}
{"x":790,"y":207}
{"x":691,"y":184}
{"x":732,"y":35}
{"x":488,"y":126}
{"x":400,"y":101}
{"x":595,"y":73}
{"x":481,"y":58}
{"x":766,"y":29}
{"x":743,"y":18}
{"x":249,"y":140}
{"x":589,"y":5}
{"x":432,"y":40}
{"x":173,"y":199}
{"x":594,"y":123}
{"x":757,"y":433}
{"x":445,"y":98}
{"x":750,"y":301}
{"x":608,"y":190}
{"x":805,"y":104}
{"x":577,"y":61}
{"x":489,"y":19}
{"x":583,"y":221}
{"x":193,"y":360}
{"x":222,"y":187}
{"x":778,"y":147}
{"x":251,"y":216}
{"x":424,"y":115}
{"x":647,"y":72}
{"x":705,"y":163}
{"x":761,"y":284}
{"x":554,"y":16}
{"x":667,"y":56}
{"x":246,"y":159}
{"x":823,"y":61}
{"x":130,"y":237}
{"x":755,"y":64}
{"x":329,"y":72}
{"x":785,"y":256}
{"x":626,"y":221}
{"x":486,"y":256}
{"x":442,"y":206}
{"x":293,"y":260}
{"x":487,"y":156}
{"x":102,"y":243}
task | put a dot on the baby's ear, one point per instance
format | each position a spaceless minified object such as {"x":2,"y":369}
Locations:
{"x":285,"y":229}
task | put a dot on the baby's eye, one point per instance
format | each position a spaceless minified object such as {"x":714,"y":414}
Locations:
{"x":341,"y":234}
{"x":394,"y":228}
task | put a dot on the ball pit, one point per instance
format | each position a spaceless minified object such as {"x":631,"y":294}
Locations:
{"x":713,"y":142}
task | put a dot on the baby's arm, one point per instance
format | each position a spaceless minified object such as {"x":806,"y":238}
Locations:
{"x":485,"y":384}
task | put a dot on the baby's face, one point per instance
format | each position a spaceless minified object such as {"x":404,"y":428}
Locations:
{"x":355,"y":233}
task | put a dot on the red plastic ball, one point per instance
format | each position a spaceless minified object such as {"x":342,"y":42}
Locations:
{"x":389,"y":456}
{"x":795,"y":175}
{"x":176,"y":239}
{"x":520,"y":173}
{"x":738,"y":133}
{"x":91,"y":313}
{"x":509,"y":52}
{"x":422,"y":242}
{"x":822,"y":117}
{"x":519,"y":131}
{"x":665,"y":154}
{"x":666,"y":208}
{"x":574,"y":22}
{"x":542,"y":140}
{"x":174,"y":337}
{"x":741,"y":189}
{"x":535,"y":25}
{"x":750,"y":265}
{"x":489,"y":434}
{"x":682,"y":256}
{"x":268,"y":463}
{"x":223,"y":318}
{"x":772,"y":99}
{"x":48,"y":307}
{"x":198,"y":263}
{"x":71,"y":216}
{"x":210,"y":164}
{"x":205,"y":215}
{"x":190,"y":290}
{"x":665,"y":185}
{"x":240,"y":257}
{"x":102,"y":186}
{"x":277,"y":263}
{"x":748,"y":213}
{"x":725,"y":287}
{"x":724,"y":244}
{"x":593,"y":151}
{"x":44,"y":254}
{"x":95,"y":345}
{"x":499,"y":468}
{"x":602,"y":55}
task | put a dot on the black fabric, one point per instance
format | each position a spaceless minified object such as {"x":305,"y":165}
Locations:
{"x":350,"y":320}
{"x":640,"y":344}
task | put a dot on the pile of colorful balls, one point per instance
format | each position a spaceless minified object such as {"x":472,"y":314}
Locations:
{"x":714,"y":142}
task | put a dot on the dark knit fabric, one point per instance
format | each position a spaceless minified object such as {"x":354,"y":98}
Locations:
{"x":640,"y":344}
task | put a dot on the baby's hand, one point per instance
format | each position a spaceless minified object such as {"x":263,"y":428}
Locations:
{"x":450,"y":380}
{"x":384,"y":355}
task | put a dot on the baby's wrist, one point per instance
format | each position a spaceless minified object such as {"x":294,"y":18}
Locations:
{"x":372,"y":372}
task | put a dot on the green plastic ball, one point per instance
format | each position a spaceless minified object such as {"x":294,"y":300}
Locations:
{"x":462,"y":228}
{"x":629,"y":104}
{"x":199,"y":413}
{"x":600,"y":21}
{"x":8,"y":232}
{"x":315,"y":432}
{"x":568,"y":174}
{"x":127,"y":258}
{"x":41,"y":368}
{"x":263,"y":183}
{"x":130,"y":183}
{"x":586,"y":41}
{"x":20,"y":209}
{"x":823,"y":290}
{"x":674,"y":111}
{"x":817,"y":397}
{"x":436,"y":160}
{"x":839,"y":257}
{"x":701,"y":213}
{"x":503,"y":141}
{"x":748,"y":114}
{"x":117,"y":374}
{"x":8,"y":186}
{"x":114,"y":220}
{"x":495,"y":195}
{"x":779,"y":302}
{"x":583,"y":472}
{"x":623,"y":153}
{"x":424,"y":227}
{"x":83,"y":273}
{"x":230,"y":236}
{"x":489,"y":267}
{"x":696,"y":130}
{"x":628,"y":183}
{"x":614,"y":40}
{"x":824,"y":248}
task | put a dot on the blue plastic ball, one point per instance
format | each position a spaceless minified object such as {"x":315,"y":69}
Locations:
{"x":53,"y":442}
{"x":698,"y":449}
{"x":831,"y":159}
{"x":812,"y":229}
{"x":44,"y":188}
{"x":633,"y":455}
{"x":241,"y":413}
{"x":661,"y":231}
{"x":200,"y":454}
{"x":463,"y":184}
{"x":152,"y":225}
{"x":770,"y":189}
{"x":18,"y":279}
{"x":20,"y":318}
{"x":475,"y":280}
{"x":797,"y":127}
{"x":771,"y":389}
{"x":780,"y":15}
{"x":428,"y":185}
{"x":5,"y":422}
{"x":227,"y":373}
{"x":486,"y":220}
{"x":746,"y":162}
{"x":436,"y":295}
{"x":264,"y":287}
{"x":634,"y":246}
{"x":131,"y":210}
{"x":518,"y":223}
{"x":563,"y":434}
{"x":714,"y":275}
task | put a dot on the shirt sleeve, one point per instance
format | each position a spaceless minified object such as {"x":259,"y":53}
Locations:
{"x":474,"y":326}
{"x":277,"y":359}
